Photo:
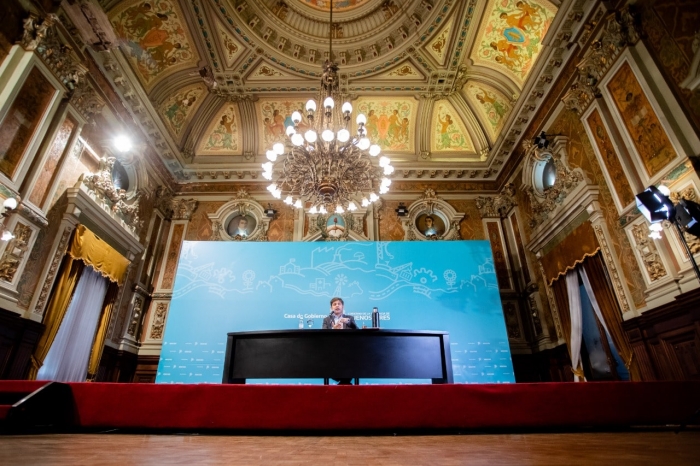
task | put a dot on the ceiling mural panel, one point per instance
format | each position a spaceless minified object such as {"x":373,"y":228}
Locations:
{"x":223,"y":135}
{"x":439,"y":46}
{"x":491,"y":106}
{"x":510,"y":38}
{"x":390,"y":122}
{"x":266,"y":72}
{"x":275,"y":116}
{"x":338,"y":5}
{"x":231,"y":48}
{"x":178,"y":109}
{"x":449,"y":133}
{"x":155,"y":37}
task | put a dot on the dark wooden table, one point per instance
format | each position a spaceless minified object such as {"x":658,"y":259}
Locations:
{"x":338,"y":354}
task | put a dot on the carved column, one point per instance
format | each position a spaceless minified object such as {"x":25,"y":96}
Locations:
{"x":180,"y":211}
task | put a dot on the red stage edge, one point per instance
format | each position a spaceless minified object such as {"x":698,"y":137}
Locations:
{"x":323,"y":409}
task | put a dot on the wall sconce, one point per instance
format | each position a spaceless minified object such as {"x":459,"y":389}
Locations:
{"x":270,"y":212}
{"x":9,"y":206}
{"x":401,"y":211}
{"x":656,"y":206}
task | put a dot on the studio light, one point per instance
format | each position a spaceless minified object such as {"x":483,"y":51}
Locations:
{"x":322,"y":165}
{"x":656,"y":206}
{"x":541,"y":141}
{"x":122,"y":143}
{"x":270,"y":212}
{"x":401,"y":211}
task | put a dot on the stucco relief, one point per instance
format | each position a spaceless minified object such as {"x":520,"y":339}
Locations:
{"x":647,"y":252}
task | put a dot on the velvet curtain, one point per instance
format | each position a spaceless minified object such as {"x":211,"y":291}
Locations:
{"x":597,"y":274}
{"x":86,"y":248}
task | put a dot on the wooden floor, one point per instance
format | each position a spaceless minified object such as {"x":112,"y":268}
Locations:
{"x":627,"y":448}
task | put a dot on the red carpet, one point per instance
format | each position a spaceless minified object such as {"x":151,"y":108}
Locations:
{"x":324,"y":408}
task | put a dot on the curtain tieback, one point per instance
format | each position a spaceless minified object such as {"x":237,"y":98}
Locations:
{"x":629,"y":361}
{"x":35,"y":363}
{"x":579,"y":373}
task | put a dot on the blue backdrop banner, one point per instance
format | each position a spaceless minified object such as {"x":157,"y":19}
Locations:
{"x":223,"y":287}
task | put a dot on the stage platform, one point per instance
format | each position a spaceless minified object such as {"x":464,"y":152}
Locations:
{"x":327,"y":409}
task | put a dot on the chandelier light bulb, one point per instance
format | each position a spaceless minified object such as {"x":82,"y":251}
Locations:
{"x":278,"y":148}
{"x":363,"y":144}
{"x":339,"y":209}
{"x":388,"y":170}
{"x":313,"y":210}
{"x":272,"y":187}
{"x":267,"y":175}
{"x":6,"y":235}
{"x":374,"y":150}
{"x":327,"y":135}
{"x":267,"y":166}
{"x":365,"y":202}
{"x":296,"y":117}
{"x":310,"y":105}
{"x":343,"y":135}
{"x":277,"y":193}
{"x":664,"y":190}
{"x":290,"y":130}
{"x":361,"y":119}
{"x":297,"y":139}
{"x":347,"y":107}
{"x":384,"y":161}
{"x":311,"y":136}
{"x":373,"y":197}
{"x":298,"y":204}
{"x":288,"y":200}
{"x":351,"y":206}
{"x":328,"y":102}
{"x":386,"y":182}
{"x":383,"y":189}
{"x":271,"y":155}
{"x":323,"y":210}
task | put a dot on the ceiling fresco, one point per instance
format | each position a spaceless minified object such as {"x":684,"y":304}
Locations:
{"x":511,"y":37}
{"x":432,"y":76}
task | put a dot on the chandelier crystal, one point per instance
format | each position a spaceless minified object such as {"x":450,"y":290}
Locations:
{"x":324,"y":166}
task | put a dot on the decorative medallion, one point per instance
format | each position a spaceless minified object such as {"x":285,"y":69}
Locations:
{"x":405,"y":71}
{"x":222,"y":136}
{"x":492,"y":106}
{"x":390,"y":122}
{"x":448,"y":131}
{"x":176,"y":109}
{"x":230,"y":47}
{"x":437,"y":48}
{"x":265,"y":72}
{"x":510,"y":38}
{"x":156,"y":38}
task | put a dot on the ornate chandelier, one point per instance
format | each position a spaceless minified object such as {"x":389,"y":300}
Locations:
{"x":325,"y":167}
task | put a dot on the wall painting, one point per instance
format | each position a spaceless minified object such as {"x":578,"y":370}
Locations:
{"x":155,"y":36}
{"x":390,"y":123}
{"x":42,"y":186}
{"x":178,"y":109}
{"x":23,"y":119}
{"x":449,"y":132}
{"x":510,"y":38}
{"x":275,"y":116}
{"x":643,"y":126}
{"x":491,"y":106}
{"x":607,"y":152}
{"x":222,"y":136}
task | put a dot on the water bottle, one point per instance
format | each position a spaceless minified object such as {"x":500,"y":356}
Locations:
{"x":375,"y":317}
{"x":301,"y":323}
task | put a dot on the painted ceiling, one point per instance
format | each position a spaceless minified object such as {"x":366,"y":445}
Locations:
{"x":437,"y":79}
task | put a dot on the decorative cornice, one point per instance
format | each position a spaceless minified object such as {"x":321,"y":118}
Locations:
{"x":497,"y":206}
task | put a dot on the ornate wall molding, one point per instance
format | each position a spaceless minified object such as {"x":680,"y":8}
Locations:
{"x":612,"y":268}
{"x":15,"y":252}
{"x":498,"y":206}
{"x":240,"y":207}
{"x":649,"y":255}
{"x":429,"y":204}
{"x":618,"y":32}
{"x":158,"y":324}
{"x":53,"y":269}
